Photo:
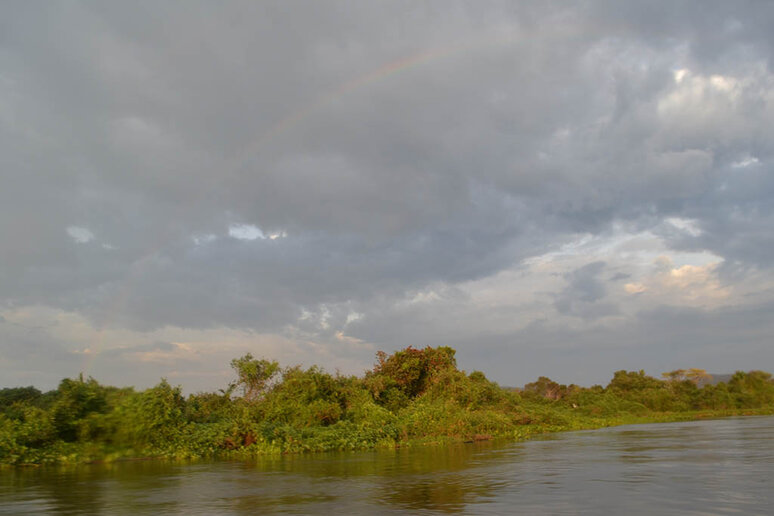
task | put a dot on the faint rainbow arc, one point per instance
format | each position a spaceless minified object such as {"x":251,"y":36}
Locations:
{"x":291,"y":120}
{"x":297,"y":116}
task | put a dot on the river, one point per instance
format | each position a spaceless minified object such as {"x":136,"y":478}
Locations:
{"x":701,"y":467}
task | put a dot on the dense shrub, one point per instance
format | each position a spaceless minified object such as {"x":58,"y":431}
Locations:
{"x":411,"y":395}
{"x":409,"y":372}
{"x":752,"y":389}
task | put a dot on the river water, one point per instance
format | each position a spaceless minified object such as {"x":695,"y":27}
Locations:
{"x":702,"y":467}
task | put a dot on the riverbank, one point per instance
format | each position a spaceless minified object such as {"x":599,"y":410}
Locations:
{"x":663,"y":468}
{"x":411,"y":398}
{"x":84,"y":453}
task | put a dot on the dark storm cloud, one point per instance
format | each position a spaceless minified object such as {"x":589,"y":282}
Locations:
{"x":396,"y":145}
{"x":584,"y":293}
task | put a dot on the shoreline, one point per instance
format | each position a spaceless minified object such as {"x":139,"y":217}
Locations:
{"x":414,"y":397}
{"x":520,"y":434}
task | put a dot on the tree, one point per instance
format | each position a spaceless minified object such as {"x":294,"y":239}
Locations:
{"x":678,"y":375}
{"x":9,"y":396}
{"x":253,"y":375}
{"x":694,"y":375}
{"x":697,"y":376}
{"x":546,"y":388}
{"x":752,"y":389}
{"x":160,"y":415}
{"x":75,"y":400}
{"x":412,"y":370}
{"x":630,"y":381}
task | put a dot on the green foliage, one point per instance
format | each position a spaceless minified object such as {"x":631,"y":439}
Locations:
{"x":75,"y":401}
{"x":631,"y":381}
{"x":253,"y":375}
{"x":209,"y":407}
{"x":16,"y":396}
{"x":308,"y":398}
{"x":411,"y":396}
{"x":160,"y":414}
{"x":600,"y":403}
{"x":471,"y":392}
{"x":716,"y":397}
{"x":544,"y":387}
{"x":752,"y":389}
{"x":652,"y":393}
{"x":693,"y":375}
{"x":404,"y":375}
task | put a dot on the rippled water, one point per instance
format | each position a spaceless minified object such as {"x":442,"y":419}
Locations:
{"x":704,"y":467}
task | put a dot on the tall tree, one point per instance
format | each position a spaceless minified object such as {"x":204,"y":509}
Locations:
{"x":254,"y":375}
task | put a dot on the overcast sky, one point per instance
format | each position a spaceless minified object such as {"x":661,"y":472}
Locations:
{"x":552,"y":188}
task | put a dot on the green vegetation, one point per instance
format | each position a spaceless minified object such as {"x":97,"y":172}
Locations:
{"x":412,"y":396}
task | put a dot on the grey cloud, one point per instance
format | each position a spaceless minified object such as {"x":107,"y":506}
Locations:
{"x":32,"y":355}
{"x":398,"y":145}
{"x":665,"y":338}
{"x":584,"y":293}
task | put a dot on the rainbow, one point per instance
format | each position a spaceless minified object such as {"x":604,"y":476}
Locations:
{"x":381,"y":73}
{"x":284,"y":125}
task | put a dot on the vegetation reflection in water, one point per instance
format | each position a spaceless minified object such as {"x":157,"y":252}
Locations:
{"x":707,"y":467}
{"x":414,"y":396}
{"x":436,"y":478}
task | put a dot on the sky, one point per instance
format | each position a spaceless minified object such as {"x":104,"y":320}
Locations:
{"x":551,"y":188}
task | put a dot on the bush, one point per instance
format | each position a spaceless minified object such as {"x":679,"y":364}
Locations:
{"x":410,"y":371}
{"x":410,"y":395}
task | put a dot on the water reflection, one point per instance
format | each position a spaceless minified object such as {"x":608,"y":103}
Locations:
{"x":707,"y":467}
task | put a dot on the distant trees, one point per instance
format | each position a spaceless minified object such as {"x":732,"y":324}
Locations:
{"x":752,"y":389}
{"x":651,"y":392}
{"x":635,"y":391}
{"x":693,"y":375}
{"x":546,"y":388}
{"x":628,"y":381}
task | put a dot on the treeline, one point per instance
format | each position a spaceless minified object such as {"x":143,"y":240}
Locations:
{"x":411,"y":396}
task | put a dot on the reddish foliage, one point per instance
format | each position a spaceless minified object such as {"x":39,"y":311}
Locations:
{"x":413,"y":369}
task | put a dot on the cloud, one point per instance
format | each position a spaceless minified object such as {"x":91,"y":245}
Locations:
{"x":584,"y":293}
{"x":693,"y":282}
{"x":747,"y":161}
{"x":79,"y":234}
{"x":245,"y":232}
{"x":273,"y":169}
